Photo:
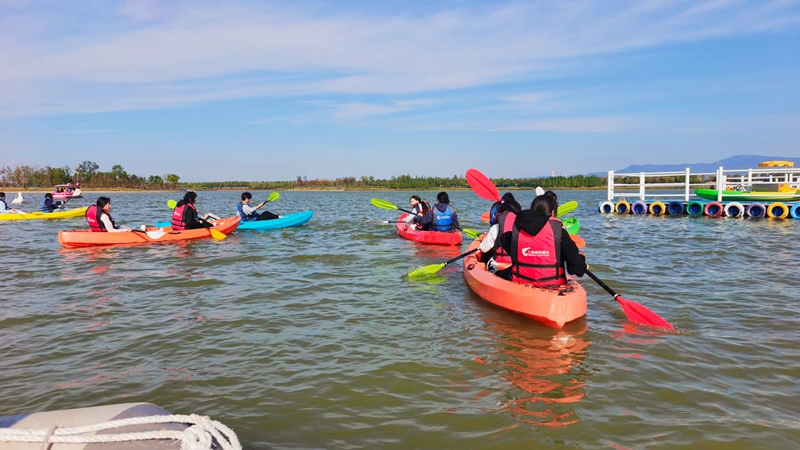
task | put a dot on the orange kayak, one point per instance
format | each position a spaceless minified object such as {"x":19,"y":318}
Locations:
{"x":427,"y":237}
{"x":552,"y":307}
{"x":87,"y":238}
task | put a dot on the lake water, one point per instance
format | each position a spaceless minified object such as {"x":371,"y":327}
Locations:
{"x":313,"y":337}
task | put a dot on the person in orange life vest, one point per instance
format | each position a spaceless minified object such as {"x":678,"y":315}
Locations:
{"x":540,"y":247}
{"x":442,"y":217}
{"x":419,"y":207}
{"x":247,"y":212}
{"x":185,"y":216}
{"x":491,"y":246}
{"x":99,"y":217}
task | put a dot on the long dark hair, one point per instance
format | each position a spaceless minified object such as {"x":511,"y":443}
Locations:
{"x":102,"y":202}
{"x":443,"y":198}
{"x":509,"y":203}
{"x":190,"y":197}
{"x":423,"y":205}
{"x":545,"y":204}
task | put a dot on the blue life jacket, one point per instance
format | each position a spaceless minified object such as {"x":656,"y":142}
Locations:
{"x":5,"y":205}
{"x":442,"y":221}
{"x":493,"y":213}
{"x":47,"y":207}
{"x":244,"y":216}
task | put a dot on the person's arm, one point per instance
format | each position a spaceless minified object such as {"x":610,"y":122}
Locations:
{"x":249,"y":210}
{"x":456,"y":225}
{"x":488,"y":241}
{"x":576,"y":263}
{"x":424,"y":220}
{"x":110,"y":226}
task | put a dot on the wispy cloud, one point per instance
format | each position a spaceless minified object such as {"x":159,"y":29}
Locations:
{"x":353,"y":110}
{"x":148,"y":54}
{"x":574,"y":125}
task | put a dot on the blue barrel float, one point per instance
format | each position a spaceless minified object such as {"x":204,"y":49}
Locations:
{"x":794,"y":211}
{"x":675,"y":208}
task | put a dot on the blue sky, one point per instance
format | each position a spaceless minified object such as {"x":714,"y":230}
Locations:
{"x":271,"y":90}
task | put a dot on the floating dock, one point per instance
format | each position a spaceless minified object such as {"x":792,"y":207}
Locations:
{"x":771,"y":191}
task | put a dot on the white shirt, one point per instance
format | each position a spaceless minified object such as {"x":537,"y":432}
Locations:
{"x":110,"y":226}
{"x":3,"y":207}
{"x":247,"y":209}
{"x":488,"y":242}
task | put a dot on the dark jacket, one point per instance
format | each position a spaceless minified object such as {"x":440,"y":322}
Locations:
{"x":532,"y":222}
{"x":190,"y":218}
{"x":426,"y":220}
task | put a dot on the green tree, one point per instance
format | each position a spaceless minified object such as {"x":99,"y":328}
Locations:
{"x":172,"y":179}
{"x":86,"y":169}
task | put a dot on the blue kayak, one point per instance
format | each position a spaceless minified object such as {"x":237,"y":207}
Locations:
{"x":292,"y":220}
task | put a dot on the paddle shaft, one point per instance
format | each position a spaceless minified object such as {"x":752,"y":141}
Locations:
{"x":601,"y":284}
{"x":463,"y":255}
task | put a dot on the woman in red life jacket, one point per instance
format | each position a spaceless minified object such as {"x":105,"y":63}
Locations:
{"x":185,"y":216}
{"x":99,"y":217}
{"x":491,"y":246}
{"x":540,"y":247}
{"x":419,"y":207}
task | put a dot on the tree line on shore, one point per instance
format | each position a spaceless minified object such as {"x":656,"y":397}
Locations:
{"x":88,"y":174}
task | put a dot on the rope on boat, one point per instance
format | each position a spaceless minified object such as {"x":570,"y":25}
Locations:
{"x":201,"y":435}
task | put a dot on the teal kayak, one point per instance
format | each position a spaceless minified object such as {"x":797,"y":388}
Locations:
{"x":291,"y":220}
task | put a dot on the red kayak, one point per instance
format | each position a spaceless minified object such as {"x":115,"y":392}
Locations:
{"x":428,"y":237}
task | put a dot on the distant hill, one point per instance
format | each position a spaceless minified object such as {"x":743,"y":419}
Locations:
{"x":734,"y":162}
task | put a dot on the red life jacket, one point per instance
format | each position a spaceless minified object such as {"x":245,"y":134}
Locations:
{"x":505,"y":224}
{"x":538,"y":258}
{"x":178,"y":223}
{"x":93,"y":215}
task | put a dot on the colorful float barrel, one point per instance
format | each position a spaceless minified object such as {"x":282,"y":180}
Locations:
{"x":734,"y":209}
{"x":623,"y":207}
{"x":694,"y":208}
{"x":794,"y":211}
{"x":606,"y":207}
{"x":675,"y":208}
{"x":658,"y":208}
{"x":755,"y":210}
{"x":713,"y":209}
{"x":777,"y":210}
{"x":639,"y":207}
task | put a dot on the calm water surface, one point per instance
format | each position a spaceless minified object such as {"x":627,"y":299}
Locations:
{"x":313,"y":337}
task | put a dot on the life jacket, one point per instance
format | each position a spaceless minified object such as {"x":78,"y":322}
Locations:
{"x":47,"y":208}
{"x":177,"y":216}
{"x":493,"y":213}
{"x":505,"y":224}
{"x":4,"y":206}
{"x":420,"y":209}
{"x":537,"y":259}
{"x":93,"y":215}
{"x":244,"y":216}
{"x":442,"y":221}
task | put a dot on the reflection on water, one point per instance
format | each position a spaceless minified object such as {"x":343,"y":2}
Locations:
{"x":545,"y":365}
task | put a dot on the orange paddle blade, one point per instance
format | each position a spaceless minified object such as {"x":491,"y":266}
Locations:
{"x":485,"y":216}
{"x":579,"y":242}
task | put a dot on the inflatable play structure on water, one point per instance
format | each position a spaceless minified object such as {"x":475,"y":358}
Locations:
{"x":128,"y":426}
{"x":771,"y":191}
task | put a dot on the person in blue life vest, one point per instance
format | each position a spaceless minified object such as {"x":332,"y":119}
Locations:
{"x":442,"y":217}
{"x":419,"y":207}
{"x":491,"y":249}
{"x":541,"y":250}
{"x":248,"y":212}
{"x":49,"y":205}
{"x":185,"y":215}
{"x":99,"y":217}
{"x":4,"y":208}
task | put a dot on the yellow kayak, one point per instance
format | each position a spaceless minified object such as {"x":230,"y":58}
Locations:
{"x":68,"y":214}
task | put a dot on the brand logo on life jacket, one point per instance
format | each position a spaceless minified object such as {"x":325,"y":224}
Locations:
{"x":540,"y":253}
{"x":438,"y":216}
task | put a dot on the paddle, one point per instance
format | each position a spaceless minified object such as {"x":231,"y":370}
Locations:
{"x":635,"y":312}
{"x":566,"y":208}
{"x":76,"y":192}
{"x":151,"y":234}
{"x":383,"y":204}
{"x":431,"y":269}
{"x":63,"y":203}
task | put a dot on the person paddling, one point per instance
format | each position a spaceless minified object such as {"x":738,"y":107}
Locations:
{"x":99,"y":217}
{"x":4,"y":205}
{"x":185,"y":215}
{"x":48,"y":205}
{"x":491,"y":249}
{"x":442,"y":217}
{"x":248,"y":212}
{"x":540,"y":247}
{"x":419,"y":207}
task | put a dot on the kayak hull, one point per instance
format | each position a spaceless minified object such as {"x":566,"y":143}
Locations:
{"x":291,"y":220}
{"x":550,"y":307}
{"x":87,"y":238}
{"x":739,"y":196}
{"x":68,"y":214}
{"x":427,"y":237}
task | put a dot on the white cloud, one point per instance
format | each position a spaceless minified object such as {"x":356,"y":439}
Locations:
{"x":574,"y":125}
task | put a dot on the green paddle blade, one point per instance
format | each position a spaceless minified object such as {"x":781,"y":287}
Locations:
{"x":572,"y":224}
{"x":472,"y":234}
{"x":426,"y":271}
{"x":382,"y":204}
{"x":171,"y":204}
{"x":567,"y":208}
{"x":274,"y":196}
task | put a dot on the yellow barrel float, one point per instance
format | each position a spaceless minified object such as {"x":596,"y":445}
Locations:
{"x":778,"y":210}
{"x":623,"y":207}
{"x":658,"y":208}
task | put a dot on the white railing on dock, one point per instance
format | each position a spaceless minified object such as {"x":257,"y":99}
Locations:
{"x":760,"y":179}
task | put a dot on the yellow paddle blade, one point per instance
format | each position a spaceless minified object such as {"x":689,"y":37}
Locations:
{"x":472,"y":234}
{"x":426,"y":271}
{"x":382,"y":204}
{"x":217,"y":234}
{"x":171,"y":204}
{"x":274,"y":196}
{"x":567,"y":208}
